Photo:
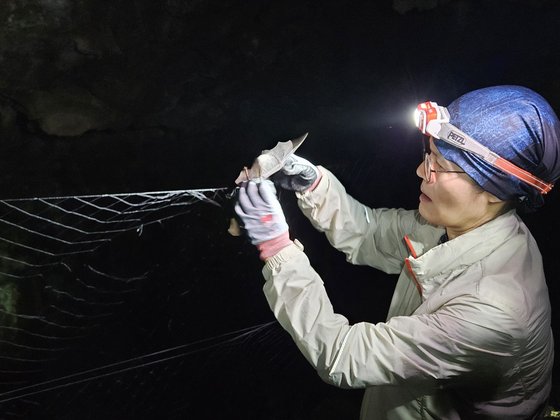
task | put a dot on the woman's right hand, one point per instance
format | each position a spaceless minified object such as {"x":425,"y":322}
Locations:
{"x":297,"y":174}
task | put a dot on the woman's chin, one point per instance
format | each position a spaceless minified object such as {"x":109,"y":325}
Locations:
{"x":425,"y":212}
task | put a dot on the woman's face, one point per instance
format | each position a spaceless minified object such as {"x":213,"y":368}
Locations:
{"x":453,"y":200}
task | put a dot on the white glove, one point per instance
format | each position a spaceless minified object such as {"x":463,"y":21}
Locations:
{"x":297,"y":174}
{"x":260,"y":211}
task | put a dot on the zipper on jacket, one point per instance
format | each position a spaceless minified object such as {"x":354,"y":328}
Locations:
{"x":416,"y":282}
{"x":407,"y":263}
{"x":408,"y":244}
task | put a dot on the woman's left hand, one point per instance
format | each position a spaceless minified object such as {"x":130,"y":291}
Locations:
{"x":260,"y":211}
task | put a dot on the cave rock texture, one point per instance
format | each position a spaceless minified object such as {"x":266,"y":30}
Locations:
{"x":110,"y":96}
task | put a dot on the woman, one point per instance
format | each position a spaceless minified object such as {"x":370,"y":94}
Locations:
{"x":468,"y":331}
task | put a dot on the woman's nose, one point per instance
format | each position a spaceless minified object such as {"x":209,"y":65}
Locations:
{"x":420,"y":171}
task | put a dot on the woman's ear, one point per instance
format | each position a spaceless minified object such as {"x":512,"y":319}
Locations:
{"x":499,"y":206}
{"x":492,"y":199}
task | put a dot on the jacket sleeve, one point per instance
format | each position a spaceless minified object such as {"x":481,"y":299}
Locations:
{"x":367,"y":236}
{"x":456,"y":342}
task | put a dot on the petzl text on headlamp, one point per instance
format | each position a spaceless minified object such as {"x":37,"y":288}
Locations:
{"x":433,"y":120}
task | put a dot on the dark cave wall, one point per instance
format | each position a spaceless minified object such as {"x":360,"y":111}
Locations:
{"x":108,"y":96}
{"x":165,"y":86}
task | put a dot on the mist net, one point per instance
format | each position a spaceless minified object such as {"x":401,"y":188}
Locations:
{"x":108,"y":301}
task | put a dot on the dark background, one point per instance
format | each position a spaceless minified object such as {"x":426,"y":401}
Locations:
{"x":109,"y":97}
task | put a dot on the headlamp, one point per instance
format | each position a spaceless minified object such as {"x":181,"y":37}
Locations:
{"x":429,"y":117}
{"x":433,"y":120}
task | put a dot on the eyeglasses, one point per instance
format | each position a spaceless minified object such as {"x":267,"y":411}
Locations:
{"x":428,"y":169}
{"x":433,"y":120}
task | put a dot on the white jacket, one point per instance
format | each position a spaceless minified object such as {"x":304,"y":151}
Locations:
{"x":468,"y":330}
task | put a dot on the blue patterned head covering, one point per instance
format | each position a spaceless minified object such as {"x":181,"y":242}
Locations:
{"x":517,"y":124}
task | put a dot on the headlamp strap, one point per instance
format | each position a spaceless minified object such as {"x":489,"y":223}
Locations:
{"x":523,"y":175}
{"x":451,"y":134}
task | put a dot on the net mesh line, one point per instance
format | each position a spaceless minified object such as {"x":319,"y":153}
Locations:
{"x":63,"y":222}
{"x":142,"y":361}
{"x":44,"y":248}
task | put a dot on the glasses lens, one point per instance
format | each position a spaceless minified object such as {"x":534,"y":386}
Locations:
{"x":427,"y":168}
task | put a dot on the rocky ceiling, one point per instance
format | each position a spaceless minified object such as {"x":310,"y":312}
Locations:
{"x":145,"y":82}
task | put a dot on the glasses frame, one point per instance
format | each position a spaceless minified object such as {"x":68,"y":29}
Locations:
{"x":428,"y":168}
{"x":433,"y":120}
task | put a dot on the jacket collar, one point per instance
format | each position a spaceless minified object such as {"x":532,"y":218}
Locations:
{"x":432,"y":263}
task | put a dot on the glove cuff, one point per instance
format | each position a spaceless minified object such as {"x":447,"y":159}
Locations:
{"x":274,"y":246}
{"x":316,"y":182}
